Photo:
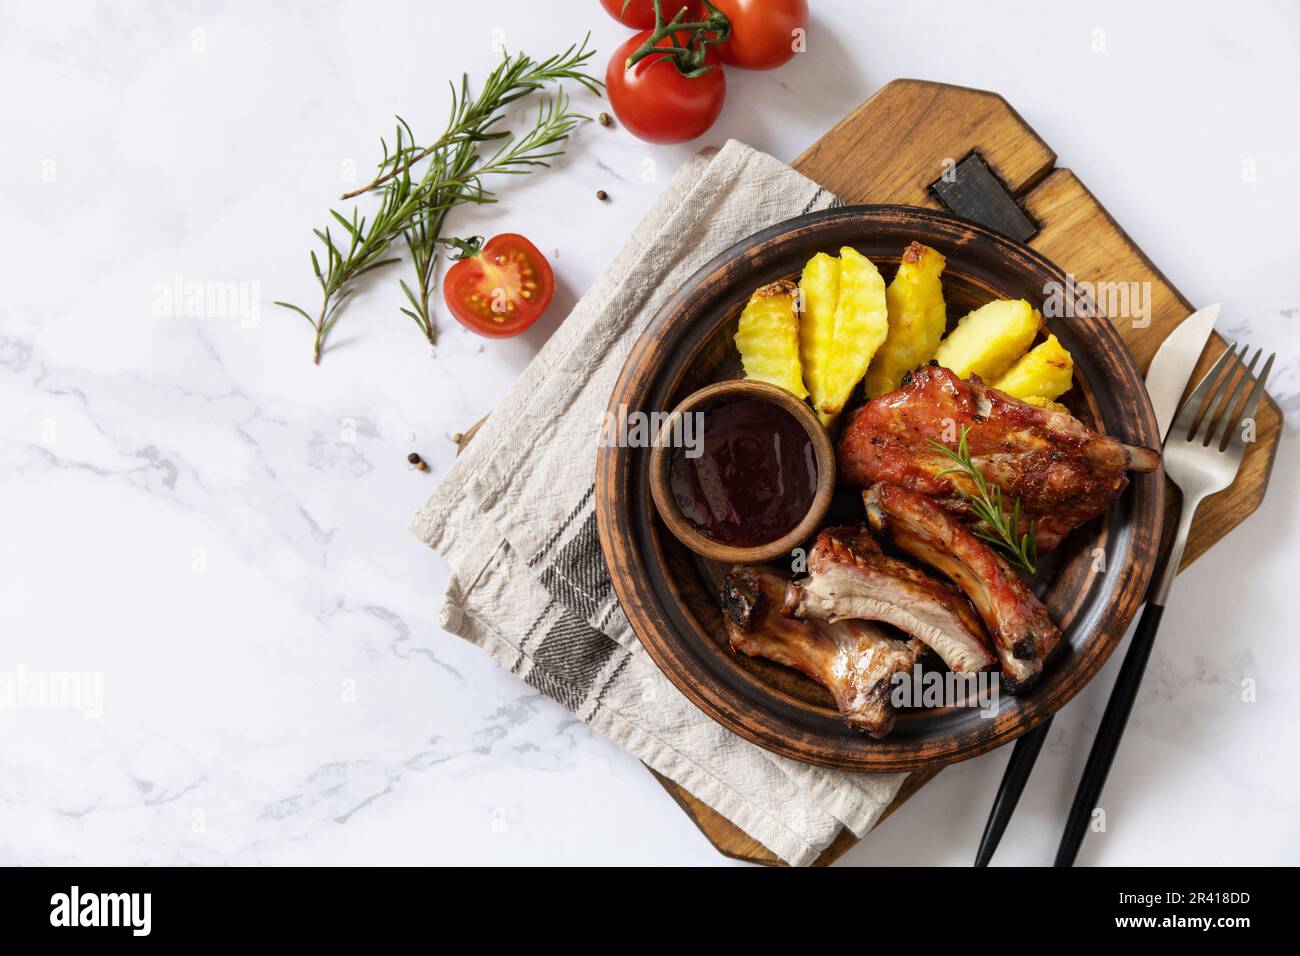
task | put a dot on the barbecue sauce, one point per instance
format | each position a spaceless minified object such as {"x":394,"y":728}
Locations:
{"x":755,"y":476}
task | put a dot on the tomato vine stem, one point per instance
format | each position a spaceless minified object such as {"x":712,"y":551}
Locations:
{"x":700,"y":35}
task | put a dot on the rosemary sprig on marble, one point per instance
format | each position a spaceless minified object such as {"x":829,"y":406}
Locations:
{"x":414,"y":202}
{"x":1000,"y":529}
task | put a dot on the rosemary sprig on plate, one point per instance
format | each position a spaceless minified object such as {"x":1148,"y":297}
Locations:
{"x":998,"y":528}
{"x":414,"y":204}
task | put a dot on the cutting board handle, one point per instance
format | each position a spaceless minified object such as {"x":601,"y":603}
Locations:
{"x":973,"y":191}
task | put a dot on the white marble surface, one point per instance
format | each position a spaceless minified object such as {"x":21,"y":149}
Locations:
{"x":191,"y":509}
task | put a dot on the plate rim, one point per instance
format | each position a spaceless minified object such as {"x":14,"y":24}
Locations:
{"x":613,"y":479}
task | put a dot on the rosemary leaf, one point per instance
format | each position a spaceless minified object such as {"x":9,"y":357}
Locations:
{"x":414,"y":202}
{"x":996,"y":526}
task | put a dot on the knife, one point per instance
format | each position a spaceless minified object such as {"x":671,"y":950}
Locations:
{"x":1167,"y":377}
{"x":1174,"y":362}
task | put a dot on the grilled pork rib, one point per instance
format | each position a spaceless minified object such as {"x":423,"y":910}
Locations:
{"x":1063,"y":472}
{"x":850,"y":578}
{"x":1023,"y":634}
{"x":854,"y":660}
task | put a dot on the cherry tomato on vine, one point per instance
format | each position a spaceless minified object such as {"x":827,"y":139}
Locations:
{"x":655,"y":101}
{"x":501,"y":289}
{"x":640,"y":14}
{"x":762,"y":31}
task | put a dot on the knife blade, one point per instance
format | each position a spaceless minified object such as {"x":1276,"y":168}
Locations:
{"x":1174,"y":362}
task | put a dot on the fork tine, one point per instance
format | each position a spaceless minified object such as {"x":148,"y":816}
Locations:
{"x":1233,"y":397}
{"x":1187,"y":416}
{"x":1236,"y":444}
{"x":1205,"y":416}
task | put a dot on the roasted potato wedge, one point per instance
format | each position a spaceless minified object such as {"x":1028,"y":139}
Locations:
{"x":819,"y":287}
{"x":861,"y":324}
{"x":1045,"y":371}
{"x":988,"y":341}
{"x":768,"y":337}
{"x":917,"y":319}
{"x":1046,"y":403}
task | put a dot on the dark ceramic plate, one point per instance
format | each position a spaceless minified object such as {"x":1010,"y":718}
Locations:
{"x":1092,"y":585}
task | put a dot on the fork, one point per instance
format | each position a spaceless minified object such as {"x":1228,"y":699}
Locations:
{"x":1202,"y":454}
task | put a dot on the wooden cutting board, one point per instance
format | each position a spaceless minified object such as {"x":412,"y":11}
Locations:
{"x":896,"y":148}
{"x":893,"y":149}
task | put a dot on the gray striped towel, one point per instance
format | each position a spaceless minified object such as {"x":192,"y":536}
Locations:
{"x":514,"y":517}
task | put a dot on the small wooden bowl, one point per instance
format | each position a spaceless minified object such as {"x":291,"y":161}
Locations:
{"x":685,"y":532}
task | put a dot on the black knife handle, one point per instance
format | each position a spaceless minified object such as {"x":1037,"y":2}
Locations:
{"x":1014,"y":778}
{"x":1109,"y":733}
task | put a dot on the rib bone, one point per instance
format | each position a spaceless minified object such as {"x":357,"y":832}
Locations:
{"x":854,"y":660}
{"x":1023,"y":634}
{"x":851,"y":578}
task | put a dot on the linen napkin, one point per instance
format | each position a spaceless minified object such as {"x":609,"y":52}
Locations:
{"x":514,"y":517}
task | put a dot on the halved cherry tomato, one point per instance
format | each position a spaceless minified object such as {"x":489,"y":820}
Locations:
{"x":655,"y":101}
{"x":640,"y":14}
{"x":502,"y":290}
{"x":762,"y":31}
